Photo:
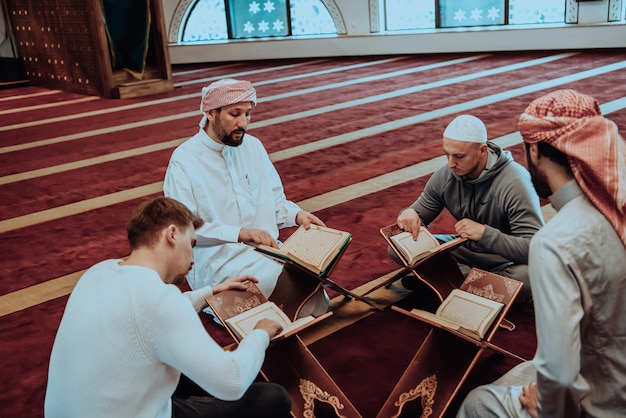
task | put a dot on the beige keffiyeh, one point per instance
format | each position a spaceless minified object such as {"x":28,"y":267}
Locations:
{"x":573,"y":123}
{"x":225,"y":92}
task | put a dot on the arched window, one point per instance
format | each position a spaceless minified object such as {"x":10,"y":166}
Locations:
{"x":218,"y":20}
{"x":206,"y":22}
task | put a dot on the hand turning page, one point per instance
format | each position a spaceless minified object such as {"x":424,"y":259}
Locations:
{"x":315,"y":249}
{"x":426,"y":244}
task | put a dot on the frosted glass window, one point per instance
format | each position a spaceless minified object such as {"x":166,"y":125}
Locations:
{"x":206,"y":22}
{"x":310,"y":17}
{"x":536,"y":11}
{"x":409,"y":14}
{"x":420,"y":14}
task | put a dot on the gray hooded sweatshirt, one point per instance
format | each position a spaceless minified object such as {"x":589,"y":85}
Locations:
{"x":502,"y":198}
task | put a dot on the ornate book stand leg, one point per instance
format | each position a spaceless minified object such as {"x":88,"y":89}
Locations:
{"x":291,"y":364}
{"x":433,"y":377}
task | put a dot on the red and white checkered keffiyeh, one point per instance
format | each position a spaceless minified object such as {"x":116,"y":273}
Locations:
{"x":226,"y":92}
{"x":573,"y":123}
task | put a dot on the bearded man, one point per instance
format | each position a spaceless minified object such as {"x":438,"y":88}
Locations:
{"x":577,"y":268}
{"x":225,"y":176}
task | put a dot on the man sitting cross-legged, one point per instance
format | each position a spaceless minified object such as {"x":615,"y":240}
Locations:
{"x":128,"y":333}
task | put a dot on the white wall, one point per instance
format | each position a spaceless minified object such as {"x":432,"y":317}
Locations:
{"x":588,"y":33}
{"x":592,"y":12}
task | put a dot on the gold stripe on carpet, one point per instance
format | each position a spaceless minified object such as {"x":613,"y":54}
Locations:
{"x":48,"y":105}
{"x":39,"y":293}
{"x":29,"y":95}
{"x":79,"y":207}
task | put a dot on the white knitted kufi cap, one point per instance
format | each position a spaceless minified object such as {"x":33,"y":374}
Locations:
{"x":467,"y":128}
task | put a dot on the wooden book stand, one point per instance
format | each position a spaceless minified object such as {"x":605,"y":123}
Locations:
{"x":293,"y":289}
{"x":439,"y":271}
{"x":288,"y":361}
{"x":446,"y":357}
{"x":296,"y":285}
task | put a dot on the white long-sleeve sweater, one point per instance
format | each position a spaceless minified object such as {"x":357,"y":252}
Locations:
{"x":124,"y":339}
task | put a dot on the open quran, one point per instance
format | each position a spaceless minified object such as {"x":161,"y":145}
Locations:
{"x":465,"y":312}
{"x":315,"y":249}
{"x":240,"y":310}
{"x":475,"y":306}
{"x":426,"y":244}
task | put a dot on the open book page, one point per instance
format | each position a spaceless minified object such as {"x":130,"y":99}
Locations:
{"x":413,"y":250}
{"x":243,"y":323}
{"x":314,"y":248}
{"x":464,"y":312}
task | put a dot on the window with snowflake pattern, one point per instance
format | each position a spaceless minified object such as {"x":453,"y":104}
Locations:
{"x":430,"y":14}
{"x":215,"y":20}
{"x":258,"y":18}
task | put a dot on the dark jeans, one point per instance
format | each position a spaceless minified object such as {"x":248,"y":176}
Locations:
{"x":262,"y":399}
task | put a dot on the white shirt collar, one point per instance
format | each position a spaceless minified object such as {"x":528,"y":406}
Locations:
{"x":206,"y":140}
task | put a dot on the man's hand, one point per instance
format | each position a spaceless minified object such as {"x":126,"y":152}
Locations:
{"x":305,"y":219}
{"x":270,"y":326}
{"x":257,"y":236}
{"x":238,"y":283}
{"x":472,"y":230}
{"x":410,"y":221}
{"x":528,"y":399}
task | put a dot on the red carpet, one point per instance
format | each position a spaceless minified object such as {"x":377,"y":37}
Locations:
{"x":339,"y":131}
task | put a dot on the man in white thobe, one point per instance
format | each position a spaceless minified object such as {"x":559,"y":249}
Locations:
{"x":225,"y":176}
